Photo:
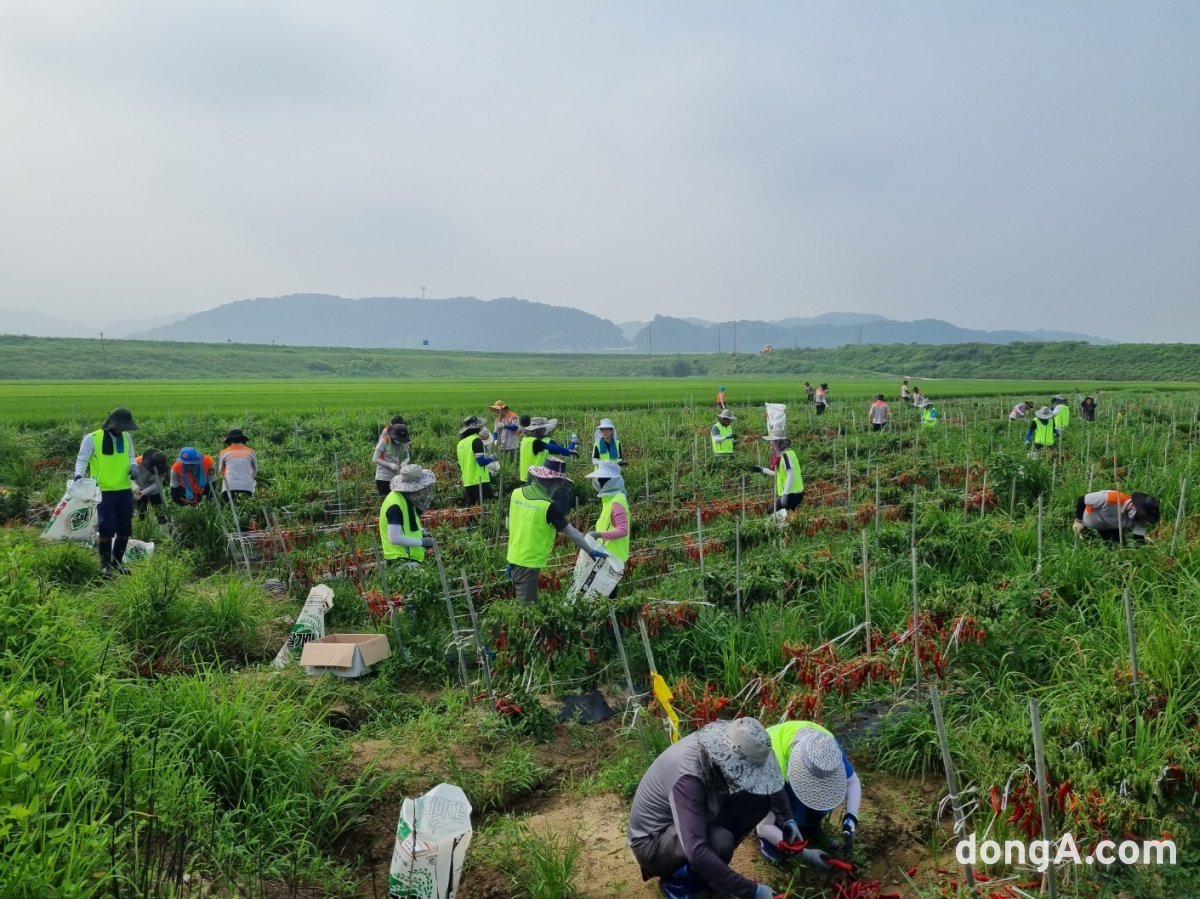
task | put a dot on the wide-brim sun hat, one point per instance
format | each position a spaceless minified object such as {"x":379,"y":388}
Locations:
{"x":541,"y":426}
{"x":469,"y":424}
{"x":741,"y":749}
{"x":606,"y":423}
{"x":553,"y":469}
{"x":119,"y":419}
{"x":1044,"y":412}
{"x":922,"y":403}
{"x":605,"y":469}
{"x":498,"y":405}
{"x":816,"y":770}
{"x":726,"y":415}
{"x":189,"y":455}
{"x":412,"y":478}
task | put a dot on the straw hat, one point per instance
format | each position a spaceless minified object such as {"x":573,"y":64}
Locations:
{"x":554,"y":469}
{"x":817,"y":771}
{"x":498,"y":405}
{"x":412,"y":478}
{"x":470,"y":424}
{"x":541,"y":427}
{"x":605,"y":469}
{"x":119,"y":419}
{"x":742,"y":751}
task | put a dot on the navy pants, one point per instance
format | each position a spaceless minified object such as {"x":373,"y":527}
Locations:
{"x":115,"y":513}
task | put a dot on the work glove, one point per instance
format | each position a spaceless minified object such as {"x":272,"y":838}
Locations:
{"x":764,"y":892}
{"x":1077,"y":527}
{"x":508,"y":571}
{"x":593,"y":535}
{"x":762,"y":469}
{"x":815,"y":858}
{"x":427,"y":542}
{"x":845,"y":846}
{"x":77,"y":477}
{"x":791,"y":833}
{"x":597,"y":554}
{"x":494,"y":467}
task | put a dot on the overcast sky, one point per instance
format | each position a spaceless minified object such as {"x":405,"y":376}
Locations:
{"x":998,"y":165}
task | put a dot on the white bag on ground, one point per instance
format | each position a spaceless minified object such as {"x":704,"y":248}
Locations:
{"x":595,"y":577}
{"x":75,"y":517}
{"x":432,"y":837}
{"x":137,"y":549}
{"x":776,"y":419}
{"x":310,"y":624}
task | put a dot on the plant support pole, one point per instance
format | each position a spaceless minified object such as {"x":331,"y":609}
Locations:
{"x":1049,"y":882}
{"x":1133,"y":662}
{"x":737,"y":567}
{"x":916,"y":612}
{"x":1178,"y":514}
{"x":960,"y":822}
{"x":866,"y":591}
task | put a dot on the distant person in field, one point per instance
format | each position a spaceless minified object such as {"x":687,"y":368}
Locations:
{"x":879,"y":413}
{"x":821,"y":399}
{"x":929,"y":413}
{"x":723,"y":441}
{"x":192,"y":477}
{"x":789,"y":480}
{"x":107,"y":455}
{"x":534,"y":518}
{"x":1041,"y":433}
{"x":611,"y":530}
{"x":1062,"y":412}
{"x":149,"y":470}
{"x":402,"y":540}
{"x":905,"y":393}
{"x":1020,"y":411}
{"x":819,"y":778}
{"x":698,"y":800}
{"x":391,"y":452}
{"x":507,"y":429}
{"x":810,"y":392}
{"x":474,"y":464}
{"x":606,"y":446}
{"x":721,"y":398}
{"x":1114,"y":515}
{"x":1087,"y":409}
{"x":237,"y":464}
{"x":536,"y":446}
{"x":917,"y":396}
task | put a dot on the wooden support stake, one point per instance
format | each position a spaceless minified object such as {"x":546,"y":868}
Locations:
{"x":1133,"y":661}
{"x":960,"y":822}
{"x":1049,"y":882}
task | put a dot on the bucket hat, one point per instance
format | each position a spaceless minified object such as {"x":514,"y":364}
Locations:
{"x":742,"y":751}
{"x":189,"y":455}
{"x":120,"y":419}
{"x":726,"y":415}
{"x":469,"y":424}
{"x":816,"y":770}
{"x":412,"y":478}
{"x":1044,"y":412}
{"x":234,"y":435}
{"x":605,"y":469}
{"x":606,"y":423}
{"x":541,"y":427}
{"x":498,"y":405}
{"x":554,"y":469}
{"x":399,"y":432}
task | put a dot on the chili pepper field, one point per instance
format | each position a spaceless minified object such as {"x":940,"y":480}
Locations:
{"x":149,"y":748}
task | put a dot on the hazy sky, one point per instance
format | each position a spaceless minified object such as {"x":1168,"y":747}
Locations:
{"x":993,"y":164}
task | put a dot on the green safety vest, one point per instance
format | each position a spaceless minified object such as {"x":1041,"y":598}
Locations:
{"x":1043,"y":434}
{"x":530,"y":535}
{"x":781,"y":474}
{"x":528,"y":457}
{"x":390,"y":550}
{"x":112,"y":471}
{"x":620,"y":546}
{"x":783,"y":735}
{"x":725,"y":447}
{"x":1063,"y":418}
{"x":929,"y":417}
{"x":472,"y":472}
{"x":613,"y":455}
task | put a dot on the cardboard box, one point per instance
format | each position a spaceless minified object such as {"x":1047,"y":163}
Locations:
{"x":346,"y":655}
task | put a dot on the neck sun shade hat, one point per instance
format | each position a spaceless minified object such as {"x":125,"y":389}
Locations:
{"x":742,"y":751}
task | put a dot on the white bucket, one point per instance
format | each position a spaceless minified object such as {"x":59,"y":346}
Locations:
{"x":432,"y":837}
{"x":75,"y":517}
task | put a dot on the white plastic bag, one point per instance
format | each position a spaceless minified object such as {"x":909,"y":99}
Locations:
{"x":137,"y":549}
{"x":75,"y":517}
{"x":776,"y":419}
{"x":432,"y":837}
{"x":310,"y":624}
{"x":594,"y":577}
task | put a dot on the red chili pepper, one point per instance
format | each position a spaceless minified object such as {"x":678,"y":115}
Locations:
{"x":840,"y":865}
{"x":912,"y":872}
{"x":797,"y":846}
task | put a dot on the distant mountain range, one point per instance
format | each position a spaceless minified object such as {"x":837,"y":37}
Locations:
{"x":510,"y":325}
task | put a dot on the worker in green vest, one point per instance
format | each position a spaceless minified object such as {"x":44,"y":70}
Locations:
{"x":611,"y":530}
{"x":1041,"y":433}
{"x":401,"y":537}
{"x":929,"y":415}
{"x":606,"y":447}
{"x":536,"y":446}
{"x":722,"y":436}
{"x":107,"y":455}
{"x":475,"y":465}
{"x":789,"y":480}
{"x":533,"y":521}
{"x":819,"y":778}
{"x":1062,"y":412}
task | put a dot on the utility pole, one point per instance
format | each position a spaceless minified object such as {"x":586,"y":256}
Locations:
{"x":103,"y":355}
{"x":718,"y":340}
{"x":422,"y":291}
{"x":650,"y":339}
{"x":735,"y":338}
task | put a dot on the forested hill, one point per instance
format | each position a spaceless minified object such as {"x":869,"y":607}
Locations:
{"x":71,"y":358}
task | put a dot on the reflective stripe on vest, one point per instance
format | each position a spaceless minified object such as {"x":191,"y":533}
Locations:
{"x":620,"y":546}
{"x":472,"y":472}
{"x":725,"y":447}
{"x":530,"y":535}
{"x":1043,"y":433}
{"x":389,"y":549}
{"x":112,"y":471}
{"x":528,"y":457}
{"x":781,"y":473}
